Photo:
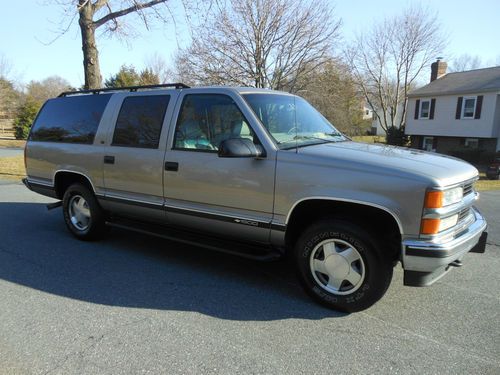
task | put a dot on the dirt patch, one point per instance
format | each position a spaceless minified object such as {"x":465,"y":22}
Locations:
{"x":12,"y":168}
{"x":11,"y":143}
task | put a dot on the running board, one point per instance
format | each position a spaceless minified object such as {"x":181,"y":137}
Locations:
{"x":260,"y":253}
{"x":51,"y":206}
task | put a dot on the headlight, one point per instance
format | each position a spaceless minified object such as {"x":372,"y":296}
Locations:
{"x":448,"y":222}
{"x":438,"y":199}
{"x":452,"y":196}
{"x":434,"y":226}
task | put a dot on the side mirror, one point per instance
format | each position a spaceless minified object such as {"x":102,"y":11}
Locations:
{"x":239,"y":148}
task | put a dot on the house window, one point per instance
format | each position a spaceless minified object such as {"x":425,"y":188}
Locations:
{"x":428,"y":143}
{"x":469,"y":107}
{"x":425,"y":106}
{"x":471,"y":143}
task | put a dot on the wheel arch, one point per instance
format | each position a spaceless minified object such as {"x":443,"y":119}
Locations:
{"x":64,"y":178}
{"x":377,"y":217}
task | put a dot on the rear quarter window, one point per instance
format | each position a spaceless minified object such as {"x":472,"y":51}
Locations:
{"x":72,"y":119}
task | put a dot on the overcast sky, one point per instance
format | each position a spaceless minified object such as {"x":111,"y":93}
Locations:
{"x":26,"y":26}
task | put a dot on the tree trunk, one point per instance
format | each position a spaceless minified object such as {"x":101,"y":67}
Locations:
{"x":91,"y":68}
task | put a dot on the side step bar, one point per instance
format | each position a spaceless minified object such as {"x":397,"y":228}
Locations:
{"x":239,"y":249}
{"x":51,"y":206}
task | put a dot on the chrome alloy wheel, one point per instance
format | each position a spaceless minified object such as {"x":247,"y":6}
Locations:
{"x":79,"y":212}
{"x":337,"y":266}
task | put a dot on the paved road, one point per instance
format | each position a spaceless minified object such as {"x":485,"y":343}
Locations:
{"x":135,"y":304}
{"x":7,"y":152}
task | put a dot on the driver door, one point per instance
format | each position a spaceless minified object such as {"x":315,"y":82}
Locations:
{"x":232,"y":197}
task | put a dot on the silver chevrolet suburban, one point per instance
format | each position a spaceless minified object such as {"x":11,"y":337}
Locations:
{"x":258,"y":173}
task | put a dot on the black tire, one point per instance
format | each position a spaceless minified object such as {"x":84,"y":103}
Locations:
{"x":370,"y":267}
{"x":96,"y":225}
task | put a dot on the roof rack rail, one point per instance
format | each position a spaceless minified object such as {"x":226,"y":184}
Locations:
{"x":128,"y":88}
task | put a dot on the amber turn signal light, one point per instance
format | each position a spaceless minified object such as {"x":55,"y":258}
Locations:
{"x":430,"y":226}
{"x":434,"y":199}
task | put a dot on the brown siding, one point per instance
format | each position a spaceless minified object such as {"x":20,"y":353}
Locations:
{"x":445,"y":145}
{"x":416,"y":141}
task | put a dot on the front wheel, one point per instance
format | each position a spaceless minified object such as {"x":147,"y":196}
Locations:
{"x":340,"y":265}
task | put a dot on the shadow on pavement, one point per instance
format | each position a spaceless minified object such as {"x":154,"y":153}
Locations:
{"x":137,"y":271}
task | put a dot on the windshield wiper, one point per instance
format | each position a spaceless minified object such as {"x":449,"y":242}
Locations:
{"x":305,"y":137}
{"x":297,"y":137}
{"x":336,"y":134}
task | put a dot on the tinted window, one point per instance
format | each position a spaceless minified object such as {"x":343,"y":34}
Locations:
{"x":139,"y":121}
{"x":206,"y":120}
{"x":73,"y":119}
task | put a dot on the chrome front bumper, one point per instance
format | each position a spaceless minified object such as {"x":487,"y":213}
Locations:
{"x":425,"y":262}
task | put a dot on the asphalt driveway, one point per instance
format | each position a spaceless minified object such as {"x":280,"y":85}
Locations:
{"x":136,"y":304}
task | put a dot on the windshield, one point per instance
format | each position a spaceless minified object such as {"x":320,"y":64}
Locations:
{"x":292,"y":121}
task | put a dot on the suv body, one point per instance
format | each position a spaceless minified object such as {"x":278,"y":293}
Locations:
{"x":236,"y":164}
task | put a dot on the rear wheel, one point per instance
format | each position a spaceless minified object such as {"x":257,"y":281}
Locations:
{"x":341,"y":266}
{"x":82,"y":213}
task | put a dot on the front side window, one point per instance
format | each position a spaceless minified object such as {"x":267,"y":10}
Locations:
{"x":469,"y":107}
{"x":140,"y":121}
{"x":292,"y":121}
{"x":425,"y":106}
{"x":205,"y":120}
{"x":72,"y":119}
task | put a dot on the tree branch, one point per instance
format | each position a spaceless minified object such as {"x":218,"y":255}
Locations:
{"x":98,"y":4}
{"x":123,"y":12}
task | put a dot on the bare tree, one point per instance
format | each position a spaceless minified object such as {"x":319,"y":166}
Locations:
{"x":107,"y":14}
{"x":159,"y":67}
{"x":388,"y":60}
{"x":332,"y":90}
{"x":264,"y":43}
{"x":5,"y":66}
{"x":465,"y":62}
{"x":50,"y":87}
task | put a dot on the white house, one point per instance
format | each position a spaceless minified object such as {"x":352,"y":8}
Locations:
{"x":456,"y":110}
{"x":377,"y":127}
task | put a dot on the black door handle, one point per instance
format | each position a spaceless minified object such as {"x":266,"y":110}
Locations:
{"x":108,"y":159}
{"x":171,"y":166}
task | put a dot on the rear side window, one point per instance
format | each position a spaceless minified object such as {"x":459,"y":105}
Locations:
{"x":72,"y":119}
{"x":140,"y":120}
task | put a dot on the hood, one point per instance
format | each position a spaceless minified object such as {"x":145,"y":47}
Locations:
{"x":443,"y":170}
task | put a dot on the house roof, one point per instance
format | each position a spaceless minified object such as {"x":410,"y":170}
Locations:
{"x":471,"y":81}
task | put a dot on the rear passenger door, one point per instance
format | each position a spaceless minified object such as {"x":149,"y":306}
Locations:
{"x":232,"y":197}
{"x":133,"y":158}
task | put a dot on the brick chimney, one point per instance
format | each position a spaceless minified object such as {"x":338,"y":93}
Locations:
{"x":438,"y":69}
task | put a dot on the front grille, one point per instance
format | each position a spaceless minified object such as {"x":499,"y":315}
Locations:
{"x":463,"y":214}
{"x":468,"y":188}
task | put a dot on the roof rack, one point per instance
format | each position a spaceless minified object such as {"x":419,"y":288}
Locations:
{"x":128,"y":88}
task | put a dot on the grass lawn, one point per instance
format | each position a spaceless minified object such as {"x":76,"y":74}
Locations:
{"x":485,"y":184}
{"x":12,"y":168}
{"x":369,"y":138}
{"x":11,"y":143}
